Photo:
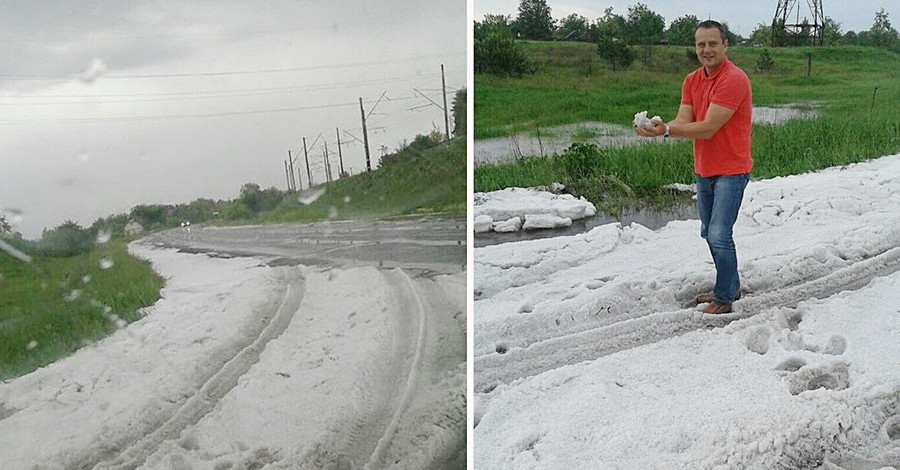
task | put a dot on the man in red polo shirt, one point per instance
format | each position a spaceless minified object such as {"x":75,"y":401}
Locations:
{"x":715,"y":112}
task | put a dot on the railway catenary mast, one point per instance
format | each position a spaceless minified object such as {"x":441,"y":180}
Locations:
{"x":786,"y":22}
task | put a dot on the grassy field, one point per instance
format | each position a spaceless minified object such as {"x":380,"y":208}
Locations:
{"x":572,"y":85}
{"x":431,"y":182}
{"x":53,"y":306}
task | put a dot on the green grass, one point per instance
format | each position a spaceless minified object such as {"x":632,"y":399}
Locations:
{"x":571,"y":86}
{"x":427,"y":183}
{"x":40,"y":318}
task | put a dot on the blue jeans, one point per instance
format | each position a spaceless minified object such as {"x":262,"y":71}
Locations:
{"x":718,"y":201}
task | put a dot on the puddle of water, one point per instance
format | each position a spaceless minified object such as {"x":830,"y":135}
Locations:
{"x":650,"y":219}
{"x":602,"y":134}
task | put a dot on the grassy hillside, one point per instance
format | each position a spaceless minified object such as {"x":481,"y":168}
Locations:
{"x":431,"y":181}
{"x":52,"y":306}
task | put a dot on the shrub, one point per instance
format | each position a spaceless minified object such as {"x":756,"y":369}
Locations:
{"x":691,"y":56}
{"x":764,"y":62}
{"x":237,"y":211}
{"x":497,"y":53}
{"x":615,"y":52}
{"x":580,"y":160}
{"x":68,"y":239}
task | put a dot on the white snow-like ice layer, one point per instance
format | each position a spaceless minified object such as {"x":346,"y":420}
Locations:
{"x":534,"y":208}
{"x":67,"y":412}
{"x":807,"y":376}
{"x":134,"y":395}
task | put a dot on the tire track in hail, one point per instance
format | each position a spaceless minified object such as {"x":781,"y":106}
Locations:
{"x":217,"y":385}
{"x":493,"y":369}
{"x":411,"y":378}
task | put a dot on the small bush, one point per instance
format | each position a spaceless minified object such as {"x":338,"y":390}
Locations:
{"x":497,"y":53}
{"x":764,"y":62}
{"x":580,"y":161}
{"x":691,"y":56}
{"x":237,"y":211}
{"x":615,"y":52}
{"x":68,"y":239}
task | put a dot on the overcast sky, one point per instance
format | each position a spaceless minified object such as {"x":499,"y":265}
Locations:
{"x":742,"y":16}
{"x":109,"y":104}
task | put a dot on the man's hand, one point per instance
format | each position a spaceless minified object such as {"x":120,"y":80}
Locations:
{"x":659,"y":128}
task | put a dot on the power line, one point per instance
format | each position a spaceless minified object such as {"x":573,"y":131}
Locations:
{"x":233,"y":72}
{"x":179,"y":96}
{"x":182,"y":116}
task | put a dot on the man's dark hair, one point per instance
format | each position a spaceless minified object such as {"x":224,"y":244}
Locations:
{"x":710,"y":24}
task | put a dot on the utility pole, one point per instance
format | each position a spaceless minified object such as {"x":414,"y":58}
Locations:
{"x":327,"y":166}
{"x":446,"y":118}
{"x":291,"y":166}
{"x":362,"y":113}
{"x":287,"y":175}
{"x":340,"y":155}
{"x":306,"y":156}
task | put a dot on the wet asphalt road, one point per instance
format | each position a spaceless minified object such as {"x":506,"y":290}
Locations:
{"x":434,"y":243}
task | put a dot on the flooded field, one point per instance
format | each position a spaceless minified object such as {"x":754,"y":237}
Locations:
{"x":550,"y":140}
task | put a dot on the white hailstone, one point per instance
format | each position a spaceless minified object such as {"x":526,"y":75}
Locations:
{"x":86,"y":279}
{"x":346,"y":199}
{"x":31,"y":345}
{"x":72,"y":295}
{"x":105,"y":263}
{"x":640,"y":120}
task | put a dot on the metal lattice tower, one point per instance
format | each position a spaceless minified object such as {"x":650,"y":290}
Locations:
{"x":786,"y":24}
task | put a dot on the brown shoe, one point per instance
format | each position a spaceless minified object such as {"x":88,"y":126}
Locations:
{"x":715,"y":308}
{"x":707,"y":298}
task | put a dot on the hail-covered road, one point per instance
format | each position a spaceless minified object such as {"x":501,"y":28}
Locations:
{"x":330,"y":345}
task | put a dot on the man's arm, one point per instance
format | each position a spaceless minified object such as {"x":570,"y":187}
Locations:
{"x":684,"y":125}
{"x":685,"y":115}
{"x":716,"y":117}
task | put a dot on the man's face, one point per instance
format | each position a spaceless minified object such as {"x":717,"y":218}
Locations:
{"x":710,"y":47}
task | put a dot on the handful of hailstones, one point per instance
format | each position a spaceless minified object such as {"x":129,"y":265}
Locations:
{"x":640,"y":120}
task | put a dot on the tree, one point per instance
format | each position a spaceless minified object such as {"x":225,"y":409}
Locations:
{"x":764,"y":62}
{"x":534,"y":21}
{"x":849,"y":38}
{"x":493,"y":23}
{"x":459,"y":113}
{"x":681,"y":31}
{"x":732,"y":38}
{"x":881,"y":33}
{"x":5,"y":227}
{"x":831,"y":32}
{"x":258,"y":200}
{"x":643,"y":26}
{"x":149,"y":216}
{"x":66,"y":240}
{"x":761,"y":36}
{"x":574,"y":25}
{"x":803,"y":37}
{"x":496,"y":52}
{"x":250,"y":196}
{"x":611,"y":45}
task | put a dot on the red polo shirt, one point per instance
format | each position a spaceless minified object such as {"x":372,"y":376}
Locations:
{"x":727,"y":152}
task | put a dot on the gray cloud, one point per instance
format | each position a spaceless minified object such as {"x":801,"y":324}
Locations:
{"x":57,"y":162}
